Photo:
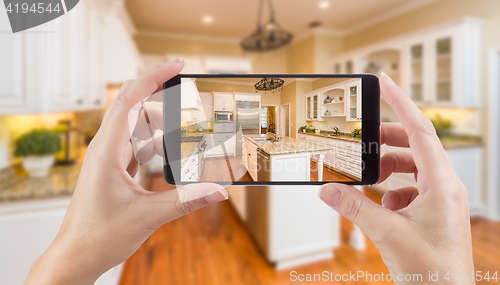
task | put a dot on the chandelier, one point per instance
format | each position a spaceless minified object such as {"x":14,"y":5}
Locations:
{"x":269,"y":84}
{"x":268,"y":37}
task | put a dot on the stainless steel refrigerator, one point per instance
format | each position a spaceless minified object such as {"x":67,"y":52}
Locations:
{"x":247,"y":123}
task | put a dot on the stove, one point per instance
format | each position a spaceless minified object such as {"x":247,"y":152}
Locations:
{"x":192,"y":139}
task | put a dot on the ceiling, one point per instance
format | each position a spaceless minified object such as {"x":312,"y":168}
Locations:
{"x":237,"y":18}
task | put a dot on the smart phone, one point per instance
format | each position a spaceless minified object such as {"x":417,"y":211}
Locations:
{"x":271,"y":129}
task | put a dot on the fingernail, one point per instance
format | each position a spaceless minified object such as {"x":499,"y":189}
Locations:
{"x":389,"y":80}
{"x":330,"y":194}
{"x":179,"y":60}
{"x":218,"y":196}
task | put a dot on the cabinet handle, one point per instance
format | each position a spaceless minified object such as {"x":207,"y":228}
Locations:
{"x":97,"y":102}
{"x":79,"y":101}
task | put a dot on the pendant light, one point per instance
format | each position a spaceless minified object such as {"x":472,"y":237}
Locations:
{"x":268,"y":37}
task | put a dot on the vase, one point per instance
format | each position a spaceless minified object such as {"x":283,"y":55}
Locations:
{"x":38,"y":166}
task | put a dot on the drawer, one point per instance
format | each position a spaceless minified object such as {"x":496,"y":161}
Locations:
{"x":348,"y":145}
{"x":348,"y":155}
{"x":223,"y":130}
{"x":222,"y":137}
{"x":191,"y":164}
{"x":348,"y":169}
{"x":223,"y":125}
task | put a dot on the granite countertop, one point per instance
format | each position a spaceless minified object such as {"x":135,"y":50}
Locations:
{"x":15,"y":184}
{"x":461,"y":142}
{"x":287,"y":145}
{"x":343,"y":136}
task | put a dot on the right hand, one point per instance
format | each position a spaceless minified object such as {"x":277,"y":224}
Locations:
{"x":417,"y":230}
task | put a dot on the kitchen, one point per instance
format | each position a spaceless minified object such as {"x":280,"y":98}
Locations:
{"x":232,"y":145}
{"x":435,"y":50}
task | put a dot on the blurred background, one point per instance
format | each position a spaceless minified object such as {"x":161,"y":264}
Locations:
{"x":56,"y":81}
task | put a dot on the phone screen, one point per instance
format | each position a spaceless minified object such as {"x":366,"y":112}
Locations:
{"x":273,"y":129}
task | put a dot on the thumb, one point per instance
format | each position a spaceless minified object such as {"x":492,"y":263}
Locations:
{"x":351,"y":203}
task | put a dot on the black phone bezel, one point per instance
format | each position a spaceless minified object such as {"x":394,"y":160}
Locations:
{"x":370,"y":124}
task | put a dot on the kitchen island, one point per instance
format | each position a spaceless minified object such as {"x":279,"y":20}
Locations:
{"x":286,"y":160}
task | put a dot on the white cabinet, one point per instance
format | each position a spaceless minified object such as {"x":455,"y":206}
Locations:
{"x":246,"y":97}
{"x":353,"y":100}
{"x":220,"y":144}
{"x":189,"y":172}
{"x":56,"y":67}
{"x":205,"y":112}
{"x":190,"y":97}
{"x":223,"y":101}
{"x":223,"y":127}
{"x":251,"y":157}
{"x":444,"y":66}
{"x":312,"y":107}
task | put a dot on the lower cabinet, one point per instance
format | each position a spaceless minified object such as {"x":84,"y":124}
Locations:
{"x":220,"y":144}
{"x":250,"y":158}
{"x":28,"y":228}
{"x":345,"y":158}
{"x":189,"y":172}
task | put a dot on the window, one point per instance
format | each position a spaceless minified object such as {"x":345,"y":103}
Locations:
{"x":263,"y":117}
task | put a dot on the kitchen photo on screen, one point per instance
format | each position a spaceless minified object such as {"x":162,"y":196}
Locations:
{"x":271,"y":129}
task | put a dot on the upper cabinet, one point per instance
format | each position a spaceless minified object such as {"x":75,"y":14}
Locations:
{"x":435,"y":67}
{"x":63,"y":65}
{"x":312,"y":106}
{"x":353,"y":100}
{"x":223,"y":102}
{"x":190,"y":97}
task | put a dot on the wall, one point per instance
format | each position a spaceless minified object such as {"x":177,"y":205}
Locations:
{"x":288,"y":95}
{"x":269,"y":62}
{"x":326,"y":47}
{"x":268,"y":98}
{"x":301,"y":56}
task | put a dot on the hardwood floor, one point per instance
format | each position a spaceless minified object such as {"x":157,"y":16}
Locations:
{"x":212,"y":246}
{"x":231,"y":168}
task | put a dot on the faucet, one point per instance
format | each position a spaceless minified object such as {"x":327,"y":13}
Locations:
{"x":336,"y":129}
{"x":272,"y":136}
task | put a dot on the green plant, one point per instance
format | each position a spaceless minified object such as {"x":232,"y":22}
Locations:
{"x":304,"y":127}
{"x":311,"y":128}
{"x":38,"y":142}
{"x":443,"y":126}
{"x":357,"y":133}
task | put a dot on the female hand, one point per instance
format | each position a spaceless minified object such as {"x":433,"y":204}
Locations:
{"x":417,"y":230}
{"x":110,"y":215}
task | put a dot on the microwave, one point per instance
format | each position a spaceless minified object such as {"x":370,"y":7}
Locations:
{"x":223,"y":117}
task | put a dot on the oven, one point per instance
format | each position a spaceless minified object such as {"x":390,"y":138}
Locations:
{"x":223,"y":117}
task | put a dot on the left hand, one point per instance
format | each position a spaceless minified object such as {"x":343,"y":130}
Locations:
{"x":110,"y":215}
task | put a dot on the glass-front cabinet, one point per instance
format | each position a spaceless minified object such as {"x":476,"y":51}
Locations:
{"x":353,"y":101}
{"x":312,"y":107}
{"x":443,"y":66}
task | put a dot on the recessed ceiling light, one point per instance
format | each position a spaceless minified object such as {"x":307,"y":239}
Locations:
{"x":208,"y":19}
{"x":324,"y":4}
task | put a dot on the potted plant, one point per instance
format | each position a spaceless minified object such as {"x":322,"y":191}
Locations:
{"x":38,"y":149}
{"x":303,"y":128}
{"x":356,"y":133}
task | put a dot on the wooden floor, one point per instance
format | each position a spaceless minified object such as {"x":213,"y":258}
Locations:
{"x":212,"y":246}
{"x":231,"y":168}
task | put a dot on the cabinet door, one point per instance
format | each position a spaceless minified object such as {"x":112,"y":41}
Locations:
{"x":206,"y":102}
{"x":13,"y":96}
{"x":315,"y":102}
{"x":308,"y":108}
{"x":442,"y":63}
{"x":353,"y":102}
{"x":219,"y":103}
{"x":228,"y":103}
{"x":417,"y":52}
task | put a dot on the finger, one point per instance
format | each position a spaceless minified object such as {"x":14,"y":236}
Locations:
{"x":163,"y":207}
{"x":428,"y":153}
{"x":400,"y":198}
{"x":116,"y":126}
{"x":371,"y":218}
{"x":396,"y":162}
{"x":150,"y":119}
{"x":393,"y":134}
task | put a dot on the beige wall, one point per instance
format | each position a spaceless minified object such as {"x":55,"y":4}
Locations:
{"x":301,"y":56}
{"x":326,"y":47}
{"x":269,"y":62}
{"x":288,"y":95}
